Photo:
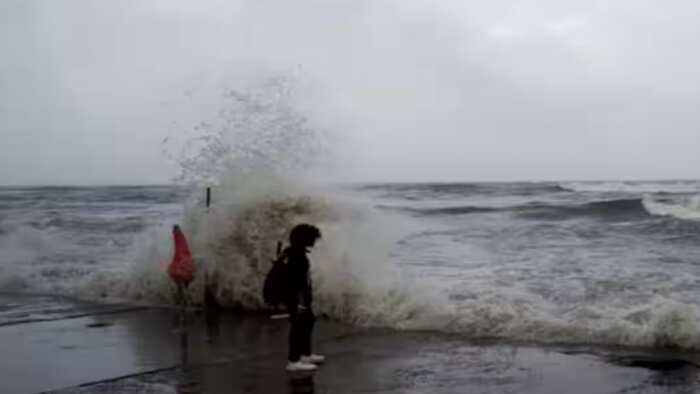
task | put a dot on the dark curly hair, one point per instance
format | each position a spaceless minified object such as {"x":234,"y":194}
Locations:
{"x":304,"y":235}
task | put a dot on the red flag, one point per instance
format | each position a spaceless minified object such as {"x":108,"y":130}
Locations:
{"x":181,"y":269}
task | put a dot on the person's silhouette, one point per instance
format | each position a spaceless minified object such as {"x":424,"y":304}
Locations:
{"x":299,"y":298}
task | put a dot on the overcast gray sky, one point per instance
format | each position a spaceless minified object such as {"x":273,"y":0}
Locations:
{"x":416,"y":89}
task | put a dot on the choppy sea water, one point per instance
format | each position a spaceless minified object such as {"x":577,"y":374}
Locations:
{"x":575,"y":263}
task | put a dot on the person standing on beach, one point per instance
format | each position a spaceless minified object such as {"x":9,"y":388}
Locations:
{"x":299,"y":298}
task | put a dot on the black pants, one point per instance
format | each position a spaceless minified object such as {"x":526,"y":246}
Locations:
{"x":301,"y":326}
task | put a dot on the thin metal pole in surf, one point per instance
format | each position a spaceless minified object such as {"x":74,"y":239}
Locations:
{"x":211,"y":306}
{"x":208,"y":197}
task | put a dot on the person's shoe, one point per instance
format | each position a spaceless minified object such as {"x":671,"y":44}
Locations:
{"x":313,"y":359}
{"x":300,"y":366}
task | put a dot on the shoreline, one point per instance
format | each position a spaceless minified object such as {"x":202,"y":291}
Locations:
{"x":141,"y":350}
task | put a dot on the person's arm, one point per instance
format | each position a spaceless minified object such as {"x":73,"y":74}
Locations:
{"x":299,"y":280}
{"x":306,"y":291}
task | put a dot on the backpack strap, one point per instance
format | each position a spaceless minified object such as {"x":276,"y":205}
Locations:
{"x":279,"y":249}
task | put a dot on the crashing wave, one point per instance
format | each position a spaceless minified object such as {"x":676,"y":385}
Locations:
{"x":253,"y":157}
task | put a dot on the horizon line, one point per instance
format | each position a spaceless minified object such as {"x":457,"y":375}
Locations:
{"x":173,"y":184}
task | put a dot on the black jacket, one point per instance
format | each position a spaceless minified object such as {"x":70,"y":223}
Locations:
{"x":299,"y":286}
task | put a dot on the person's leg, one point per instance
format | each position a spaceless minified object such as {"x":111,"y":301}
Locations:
{"x":296,"y":333}
{"x":309,"y":320}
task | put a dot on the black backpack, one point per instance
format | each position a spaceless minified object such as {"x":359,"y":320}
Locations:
{"x":275,"y":285}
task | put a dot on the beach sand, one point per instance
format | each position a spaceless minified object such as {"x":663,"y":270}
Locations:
{"x":62,"y":346}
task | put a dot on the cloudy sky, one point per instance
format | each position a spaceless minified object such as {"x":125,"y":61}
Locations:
{"x":411,"y":89}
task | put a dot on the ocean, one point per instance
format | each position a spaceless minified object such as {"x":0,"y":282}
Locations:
{"x":573,"y":263}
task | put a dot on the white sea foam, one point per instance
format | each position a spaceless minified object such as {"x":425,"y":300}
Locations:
{"x":234,"y":244}
{"x":23,"y":247}
{"x":681,"y":208}
{"x":660,"y":323}
{"x":634,"y":187}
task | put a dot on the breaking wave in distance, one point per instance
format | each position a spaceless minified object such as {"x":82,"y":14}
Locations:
{"x":633,"y":187}
{"x":619,"y":209}
{"x":687,"y":208}
{"x":678,"y":199}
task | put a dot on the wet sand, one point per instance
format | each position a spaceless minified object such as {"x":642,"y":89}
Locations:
{"x":58,"y":346}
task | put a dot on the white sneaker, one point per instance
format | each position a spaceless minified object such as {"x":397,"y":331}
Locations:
{"x":313,"y":359}
{"x":300,"y":366}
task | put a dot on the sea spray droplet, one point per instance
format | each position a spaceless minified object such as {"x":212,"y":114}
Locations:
{"x":258,"y":131}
